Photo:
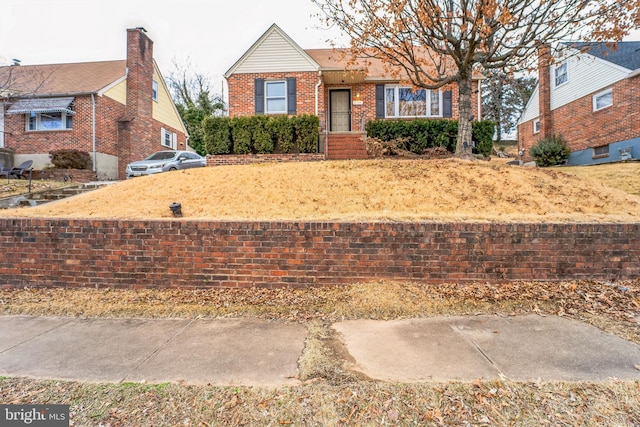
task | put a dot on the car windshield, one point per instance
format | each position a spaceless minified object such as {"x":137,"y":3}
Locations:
{"x":162,"y":155}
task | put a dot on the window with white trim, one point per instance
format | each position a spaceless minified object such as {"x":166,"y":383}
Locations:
{"x":49,"y":121}
{"x":536,"y":126}
{"x":168,"y":139}
{"x":406,"y":102}
{"x":561,"y":74}
{"x":603,"y":99}
{"x":154,"y":91}
{"x":275,"y":97}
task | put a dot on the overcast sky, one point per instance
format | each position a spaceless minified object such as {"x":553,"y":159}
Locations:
{"x":211,"y":34}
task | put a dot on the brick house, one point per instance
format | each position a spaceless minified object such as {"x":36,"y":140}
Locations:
{"x":588,"y":94}
{"x":276,"y":76}
{"x":117,"y":111}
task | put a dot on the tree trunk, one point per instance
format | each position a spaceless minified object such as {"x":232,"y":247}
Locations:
{"x":463,"y":143}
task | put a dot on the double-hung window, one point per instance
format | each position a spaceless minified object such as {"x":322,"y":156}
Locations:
{"x":407,"y":102}
{"x":603,"y":99}
{"x":561,"y":74}
{"x":49,"y":121}
{"x":168,"y":139}
{"x":276,"y":97}
{"x":536,"y":126}
{"x":154,"y":91}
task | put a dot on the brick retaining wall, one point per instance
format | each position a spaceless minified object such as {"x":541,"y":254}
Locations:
{"x":54,"y":252}
{"x":247,"y":159}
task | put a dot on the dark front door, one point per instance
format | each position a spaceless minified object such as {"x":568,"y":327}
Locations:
{"x":340,"y":110}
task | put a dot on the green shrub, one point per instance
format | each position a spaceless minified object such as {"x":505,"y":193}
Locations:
{"x":307,"y":132}
{"x":482,"y":134}
{"x":419,"y":135}
{"x":217,"y":135}
{"x":282,"y":129}
{"x":262,"y":138}
{"x":550,"y":151}
{"x":70,"y":159}
{"x":241,"y":131}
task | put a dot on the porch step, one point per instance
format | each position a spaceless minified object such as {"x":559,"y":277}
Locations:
{"x":346,"y":146}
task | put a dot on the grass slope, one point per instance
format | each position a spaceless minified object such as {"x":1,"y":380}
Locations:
{"x":371,"y":190}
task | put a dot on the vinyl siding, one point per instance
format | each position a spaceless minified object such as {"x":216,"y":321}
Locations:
{"x":587,"y":75}
{"x":164,"y":110}
{"x":118,"y":92}
{"x":275,"y":54}
{"x":532,"y":110}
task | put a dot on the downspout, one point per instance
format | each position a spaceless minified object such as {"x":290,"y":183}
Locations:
{"x":479,"y":100}
{"x":317,"y":93}
{"x":93,"y":131}
{"x":1,"y":124}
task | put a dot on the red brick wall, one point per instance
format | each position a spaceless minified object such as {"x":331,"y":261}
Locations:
{"x":249,"y":159}
{"x":58,"y":252}
{"x":582,"y":127}
{"x":242,"y":86}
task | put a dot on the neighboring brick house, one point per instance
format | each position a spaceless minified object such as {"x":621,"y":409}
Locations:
{"x":276,"y":76}
{"x":588,"y":94}
{"x":117,"y":111}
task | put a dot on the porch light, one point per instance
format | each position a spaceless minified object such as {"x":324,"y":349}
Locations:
{"x":176,"y":209}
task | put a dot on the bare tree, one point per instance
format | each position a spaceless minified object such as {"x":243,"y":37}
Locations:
{"x":191,"y":93}
{"x":438,"y":43}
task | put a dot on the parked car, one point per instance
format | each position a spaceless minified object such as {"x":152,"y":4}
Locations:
{"x":163,"y":161}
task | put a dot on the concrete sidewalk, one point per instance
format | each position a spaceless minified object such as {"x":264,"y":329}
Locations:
{"x":263,"y":353}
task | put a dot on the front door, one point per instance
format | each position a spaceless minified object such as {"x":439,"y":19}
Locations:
{"x":340,"y":110}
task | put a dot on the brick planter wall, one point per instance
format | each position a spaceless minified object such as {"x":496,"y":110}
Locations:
{"x":78,"y":175}
{"x":248,"y":159}
{"x":54,"y":252}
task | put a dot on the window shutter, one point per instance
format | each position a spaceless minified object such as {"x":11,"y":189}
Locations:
{"x":162,"y":132}
{"x":291,"y":95}
{"x":380,"y":101}
{"x":447,"y":108}
{"x":175,"y":141}
{"x":259,"y":95}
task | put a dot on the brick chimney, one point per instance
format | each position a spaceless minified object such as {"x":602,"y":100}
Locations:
{"x":136,"y":127}
{"x":544,"y":90}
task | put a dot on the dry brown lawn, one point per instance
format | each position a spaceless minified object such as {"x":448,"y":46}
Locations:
{"x":370,"y":190}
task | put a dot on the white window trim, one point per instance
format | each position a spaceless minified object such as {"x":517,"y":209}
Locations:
{"x":63,"y":118}
{"x":599,"y":94}
{"x":396,"y":107}
{"x":536,"y":126}
{"x":555,"y":69}
{"x":154,"y":90}
{"x":266,"y":98}
{"x":174,"y":139}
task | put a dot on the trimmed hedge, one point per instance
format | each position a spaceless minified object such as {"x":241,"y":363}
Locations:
{"x":420,"y":134}
{"x":261,"y":134}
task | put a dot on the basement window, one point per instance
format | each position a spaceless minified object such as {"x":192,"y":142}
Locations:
{"x":600,"y":152}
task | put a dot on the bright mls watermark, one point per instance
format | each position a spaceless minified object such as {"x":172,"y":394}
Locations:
{"x":34,"y":415}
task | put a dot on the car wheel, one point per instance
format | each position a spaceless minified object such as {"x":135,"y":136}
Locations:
{"x":173,"y":169}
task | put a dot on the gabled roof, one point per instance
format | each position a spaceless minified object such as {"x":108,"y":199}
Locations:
{"x":61,"y":79}
{"x":624,"y":54}
{"x":274,"y":41}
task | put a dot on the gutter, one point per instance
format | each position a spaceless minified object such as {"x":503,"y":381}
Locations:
{"x":633,"y":74}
